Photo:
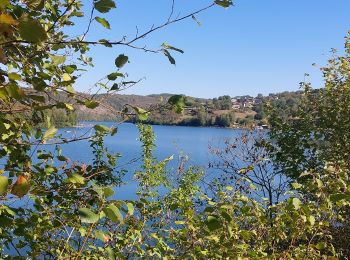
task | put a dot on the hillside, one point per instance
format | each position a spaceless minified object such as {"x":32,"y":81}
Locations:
{"x":224,"y":111}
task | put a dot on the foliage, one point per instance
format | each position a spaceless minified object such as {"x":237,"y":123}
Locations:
{"x":53,"y":207}
{"x":317,"y":136}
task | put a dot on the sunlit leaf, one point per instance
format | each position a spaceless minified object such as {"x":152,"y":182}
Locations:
{"x":50,"y":133}
{"x":66,"y":77}
{"x":102,"y":128}
{"x":296,"y":203}
{"x":142,"y":114}
{"x":91,"y":104}
{"x":4,"y":182}
{"x":14,"y":76}
{"x":57,"y":60}
{"x":130,"y":208}
{"x":76,"y":178}
{"x":167,"y":46}
{"x":103,"y":21}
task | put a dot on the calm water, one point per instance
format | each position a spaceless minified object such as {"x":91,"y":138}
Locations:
{"x":170,"y":140}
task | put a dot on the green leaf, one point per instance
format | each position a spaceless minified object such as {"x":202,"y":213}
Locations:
{"x":121,"y":60}
{"x":296,"y":185}
{"x":14,"y":76}
{"x":70,"y":68}
{"x":108,"y":191}
{"x":70,"y":89}
{"x":57,"y":60}
{"x":168,"y":55}
{"x":4,"y":94}
{"x":87,"y":216}
{"x":213,"y":223}
{"x":130,"y":208}
{"x":167,"y":46}
{"x":128,"y":82}
{"x":4,"y":3}
{"x":91,"y":104}
{"x":102,"y":128}
{"x":115,"y":75}
{"x":50,"y":133}
{"x":14,"y":91}
{"x":141,"y":113}
{"x":104,"y":6}
{"x":103,"y":21}
{"x":4,"y":182}
{"x":177,"y":103}
{"x":113,"y":213}
{"x":312,"y":220}
{"x":339,"y":196}
{"x":32,"y":31}
{"x":110,"y":253}
{"x":224,"y":3}
{"x":321,"y":245}
{"x":76,"y":179}
{"x":100,"y":235}
{"x":106,"y":43}
{"x":296,"y":203}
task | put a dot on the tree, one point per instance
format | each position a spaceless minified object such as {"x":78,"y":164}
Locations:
{"x":316,"y":137}
{"x":245,"y":161}
{"x":40,"y":63}
{"x":71,"y":212}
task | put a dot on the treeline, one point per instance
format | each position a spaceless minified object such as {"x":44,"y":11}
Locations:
{"x":217,"y":112}
{"x":224,"y":111}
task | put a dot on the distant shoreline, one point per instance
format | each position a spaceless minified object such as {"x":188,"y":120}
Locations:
{"x":83,"y":124}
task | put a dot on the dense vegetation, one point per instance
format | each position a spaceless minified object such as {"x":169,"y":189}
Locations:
{"x":219,"y":112}
{"x":280,"y":194}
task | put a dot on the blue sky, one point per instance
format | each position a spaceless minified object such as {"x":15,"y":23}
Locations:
{"x":254,"y":47}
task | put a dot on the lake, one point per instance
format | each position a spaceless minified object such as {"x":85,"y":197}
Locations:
{"x":170,"y":140}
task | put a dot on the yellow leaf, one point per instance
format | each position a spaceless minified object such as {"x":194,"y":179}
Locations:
{"x":66,"y":77}
{"x":21,"y":186}
{"x":7,"y":19}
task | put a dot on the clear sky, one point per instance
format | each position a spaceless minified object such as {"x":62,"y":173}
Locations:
{"x":254,"y":47}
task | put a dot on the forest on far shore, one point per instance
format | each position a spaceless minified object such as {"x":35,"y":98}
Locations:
{"x":224,"y":111}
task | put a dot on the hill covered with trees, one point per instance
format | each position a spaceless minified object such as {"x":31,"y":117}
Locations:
{"x":224,"y":111}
